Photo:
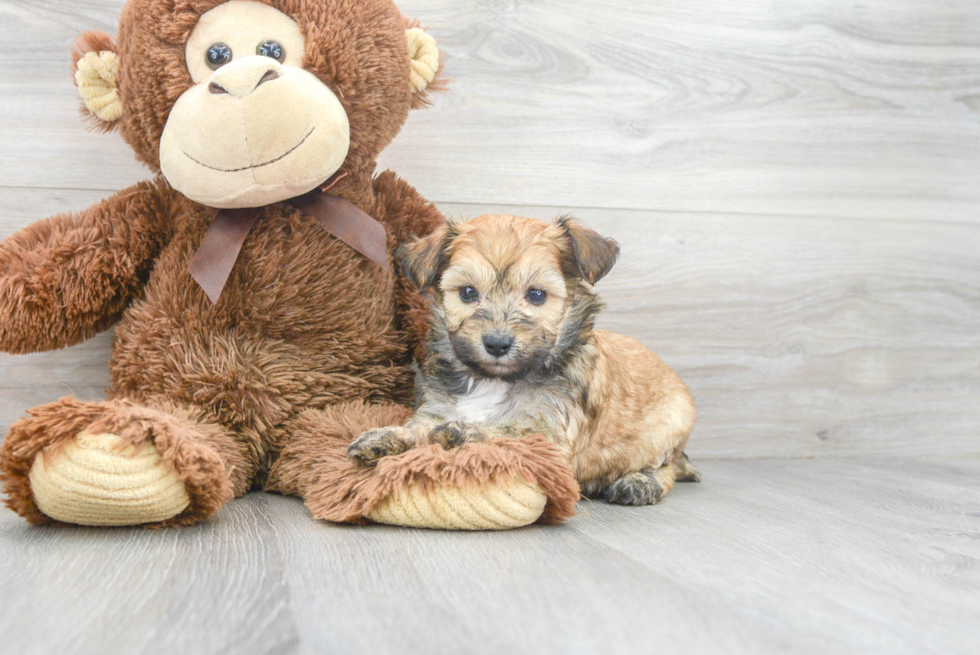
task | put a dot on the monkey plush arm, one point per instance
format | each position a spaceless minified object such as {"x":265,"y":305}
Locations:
{"x":407,"y":215}
{"x":70,"y":276}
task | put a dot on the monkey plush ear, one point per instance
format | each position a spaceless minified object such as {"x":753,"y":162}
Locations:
{"x":425,"y":64}
{"x":95,"y":66}
{"x":593,"y":255}
{"x":423,"y":259}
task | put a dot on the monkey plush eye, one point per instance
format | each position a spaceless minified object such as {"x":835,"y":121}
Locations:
{"x":468,"y":294}
{"x":218,"y":55}
{"x":536,"y":296}
{"x":271,"y":49}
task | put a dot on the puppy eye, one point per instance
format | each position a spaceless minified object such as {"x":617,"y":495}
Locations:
{"x":218,"y":55}
{"x":271,"y":49}
{"x":536,"y":296}
{"x":468,"y":294}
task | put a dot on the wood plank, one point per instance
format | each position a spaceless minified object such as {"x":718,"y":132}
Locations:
{"x":214,"y":588}
{"x":804,"y":337}
{"x":46,"y":142}
{"x":762,"y":557}
{"x":825,"y":550}
{"x":822,"y":108}
{"x":827,"y":109}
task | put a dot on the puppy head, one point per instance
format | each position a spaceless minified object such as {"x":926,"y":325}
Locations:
{"x":512,"y":294}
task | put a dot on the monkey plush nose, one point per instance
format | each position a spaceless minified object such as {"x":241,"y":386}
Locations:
{"x":241,"y":78}
{"x":498,"y":345}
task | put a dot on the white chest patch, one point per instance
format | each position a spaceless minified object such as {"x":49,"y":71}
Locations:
{"x":484,"y":400}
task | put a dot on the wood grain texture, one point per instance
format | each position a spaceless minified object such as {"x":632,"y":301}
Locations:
{"x":819,"y":108}
{"x":824,"y":108}
{"x":764,"y":556}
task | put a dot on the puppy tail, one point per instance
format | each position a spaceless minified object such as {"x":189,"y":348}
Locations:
{"x":684,"y":470}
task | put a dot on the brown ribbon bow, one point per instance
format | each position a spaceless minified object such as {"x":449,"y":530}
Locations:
{"x":221,"y":246}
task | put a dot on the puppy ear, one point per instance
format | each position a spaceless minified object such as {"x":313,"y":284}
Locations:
{"x":593,"y":255}
{"x":423,"y":259}
{"x":425,"y":71}
{"x":95,"y":67}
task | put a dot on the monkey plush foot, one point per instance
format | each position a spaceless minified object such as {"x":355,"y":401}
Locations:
{"x":92,"y":480}
{"x":489,"y":485}
{"x":500,"y":505}
{"x":118,"y":462}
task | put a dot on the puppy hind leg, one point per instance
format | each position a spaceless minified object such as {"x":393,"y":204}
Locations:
{"x":684,"y":470}
{"x":644,"y":487}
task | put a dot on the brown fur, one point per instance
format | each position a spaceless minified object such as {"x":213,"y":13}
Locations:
{"x":618,"y":414}
{"x":304,"y":325}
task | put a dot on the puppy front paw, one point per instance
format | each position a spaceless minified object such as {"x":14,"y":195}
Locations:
{"x":454,"y":434}
{"x":374,"y":444}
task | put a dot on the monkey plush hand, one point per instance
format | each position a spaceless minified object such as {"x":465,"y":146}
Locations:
{"x":261,"y":321}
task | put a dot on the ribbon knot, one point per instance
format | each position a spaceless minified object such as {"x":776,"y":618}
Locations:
{"x":216,"y":257}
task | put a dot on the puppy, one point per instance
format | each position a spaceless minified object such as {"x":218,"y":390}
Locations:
{"x":512,"y":352}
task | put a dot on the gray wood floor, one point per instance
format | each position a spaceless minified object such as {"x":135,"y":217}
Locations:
{"x":802,"y":556}
{"x":795,"y":188}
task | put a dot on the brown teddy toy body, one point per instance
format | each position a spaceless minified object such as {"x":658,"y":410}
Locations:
{"x":245,"y":104}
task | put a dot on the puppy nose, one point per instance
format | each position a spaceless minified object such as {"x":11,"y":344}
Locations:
{"x":498,"y":345}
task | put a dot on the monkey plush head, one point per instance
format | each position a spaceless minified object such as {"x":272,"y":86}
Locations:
{"x":243,"y":103}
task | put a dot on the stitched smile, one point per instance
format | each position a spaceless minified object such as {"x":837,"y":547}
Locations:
{"x":246,"y":168}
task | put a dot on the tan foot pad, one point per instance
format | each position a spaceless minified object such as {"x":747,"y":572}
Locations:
{"x":496,"y":507}
{"x":90,"y":482}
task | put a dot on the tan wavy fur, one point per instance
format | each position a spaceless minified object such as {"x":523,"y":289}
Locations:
{"x":512,"y":352}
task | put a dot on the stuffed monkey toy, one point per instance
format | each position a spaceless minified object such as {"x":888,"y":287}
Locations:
{"x":261,"y":322}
